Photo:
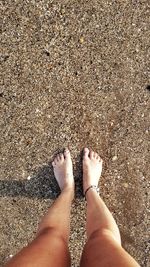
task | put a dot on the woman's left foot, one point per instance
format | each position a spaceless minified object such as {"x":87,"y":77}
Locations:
{"x":63,"y":171}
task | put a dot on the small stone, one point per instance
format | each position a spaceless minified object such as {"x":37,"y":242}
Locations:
{"x":10,"y":256}
{"x":29,"y":177}
{"x":47,"y":52}
{"x":23,"y":173}
{"x":114,"y":158}
{"x":125,"y":185}
{"x":37,"y":110}
{"x":81,"y":40}
{"x":63,"y":11}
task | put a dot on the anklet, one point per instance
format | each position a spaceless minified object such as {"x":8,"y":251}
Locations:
{"x":91,"y":186}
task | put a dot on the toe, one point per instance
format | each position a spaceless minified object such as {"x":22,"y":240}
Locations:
{"x":100,"y":160}
{"x":61,"y":156}
{"x":55,"y":160}
{"x":58,"y":157}
{"x":85,"y":153}
{"x":66,"y":153}
{"x":95,"y":155}
{"x":53,"y":163}
{"x":91,"y":154}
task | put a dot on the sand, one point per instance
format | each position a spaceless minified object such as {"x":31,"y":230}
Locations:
{"x":74,"y":73}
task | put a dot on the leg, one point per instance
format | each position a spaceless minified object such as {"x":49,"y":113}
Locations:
{"x":50,"y":247}
{"x":103,"y":247}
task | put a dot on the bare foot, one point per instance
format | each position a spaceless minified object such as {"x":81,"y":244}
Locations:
{"x":63,"y":170}
{"x":92,"y":168}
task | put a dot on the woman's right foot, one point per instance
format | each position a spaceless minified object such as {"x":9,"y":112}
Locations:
{"x":63,"y":171}
{"x":92,"y":168}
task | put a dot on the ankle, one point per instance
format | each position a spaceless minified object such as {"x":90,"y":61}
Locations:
{"x":91,"y":188}
{"x":68,"y":191}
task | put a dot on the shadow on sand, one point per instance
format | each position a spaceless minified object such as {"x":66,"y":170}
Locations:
{"x":42,"y":184}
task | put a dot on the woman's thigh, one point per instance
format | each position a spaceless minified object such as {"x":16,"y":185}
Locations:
{"x":47,"y":249}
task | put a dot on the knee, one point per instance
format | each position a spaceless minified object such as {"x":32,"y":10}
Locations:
{"x":44,"y":231}
{"x":104,"y":235}
{"x":99,"y":233}
{"x":99,"y":243}
{"x":52,"y":233}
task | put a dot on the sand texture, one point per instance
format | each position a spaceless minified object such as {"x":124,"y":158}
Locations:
{"x":74,"y":73}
